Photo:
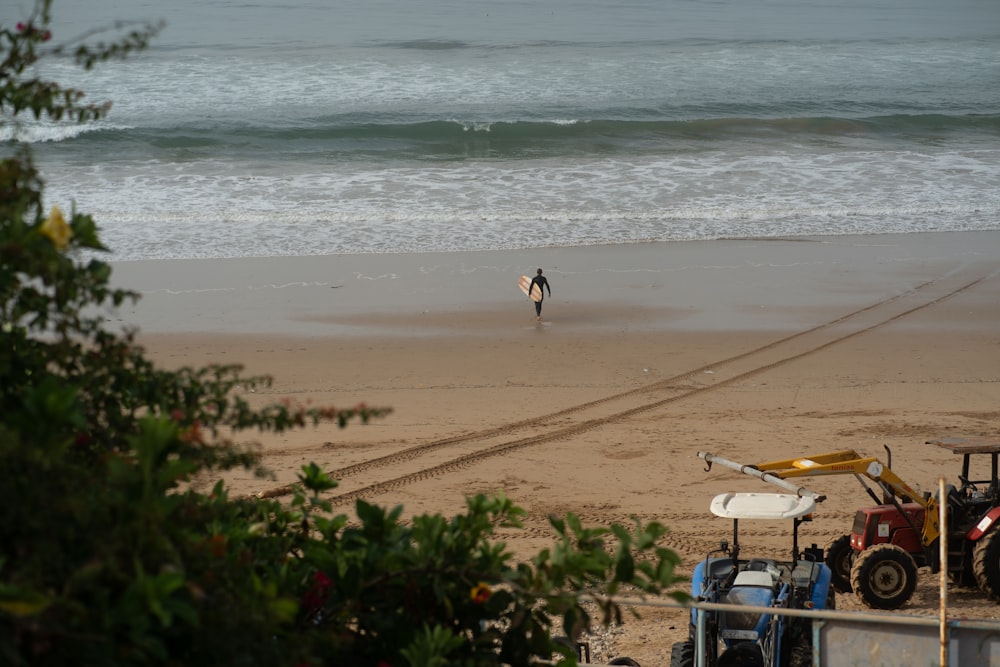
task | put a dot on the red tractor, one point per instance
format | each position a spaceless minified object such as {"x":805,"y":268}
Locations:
{"x":878,"y":560}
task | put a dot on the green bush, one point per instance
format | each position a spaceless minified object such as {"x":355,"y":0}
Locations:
{"x":108,"y":556}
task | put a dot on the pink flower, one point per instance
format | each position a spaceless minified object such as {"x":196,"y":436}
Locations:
{"x":317,"y":595}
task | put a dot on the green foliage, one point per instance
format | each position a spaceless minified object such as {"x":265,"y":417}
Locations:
{"x":23,"y":45}
{"x":108,"y":556}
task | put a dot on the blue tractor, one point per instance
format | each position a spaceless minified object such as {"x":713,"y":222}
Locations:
{"x":755,"y":638}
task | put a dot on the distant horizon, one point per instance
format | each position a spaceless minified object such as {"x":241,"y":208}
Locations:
{"x":300,"y":23}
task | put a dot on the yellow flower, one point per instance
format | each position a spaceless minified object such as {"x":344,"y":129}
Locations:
{"x":56,"y":229}
{"x":480,"y":593}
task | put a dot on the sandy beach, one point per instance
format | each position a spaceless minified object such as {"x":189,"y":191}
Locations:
{"x":754,"y":350}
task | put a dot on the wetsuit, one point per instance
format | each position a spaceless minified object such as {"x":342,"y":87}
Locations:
{"x":543,"y":284}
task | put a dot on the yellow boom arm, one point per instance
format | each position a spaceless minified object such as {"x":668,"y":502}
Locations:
{"x":848,"y":462}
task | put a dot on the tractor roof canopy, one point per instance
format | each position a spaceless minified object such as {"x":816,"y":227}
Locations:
{"x":761,"y":506}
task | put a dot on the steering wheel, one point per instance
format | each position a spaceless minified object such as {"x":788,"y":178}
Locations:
{"x":966,"y":484}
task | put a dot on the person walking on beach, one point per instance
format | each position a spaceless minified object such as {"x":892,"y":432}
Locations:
{"x":543,"y":284}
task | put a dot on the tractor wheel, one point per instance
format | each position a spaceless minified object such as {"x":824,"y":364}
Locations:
{"x":840,"y":557}
{"x":628,"y":662}
{"x":801,"y":655}
{"x":986,"y":564}
{"x":884,"y":576}
{"x":682,"y":654}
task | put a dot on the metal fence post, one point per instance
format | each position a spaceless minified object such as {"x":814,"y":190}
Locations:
{"x":699,"y":638}
{"x":943,"y":554}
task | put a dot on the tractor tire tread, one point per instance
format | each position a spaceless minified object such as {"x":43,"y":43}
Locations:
{"x":838,"y":550}
{"x":682,"y":654}
{"x":986,"y":564}
{"x":864,"y":567}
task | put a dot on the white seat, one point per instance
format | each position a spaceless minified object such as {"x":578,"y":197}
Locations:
{"x":753,"y":578}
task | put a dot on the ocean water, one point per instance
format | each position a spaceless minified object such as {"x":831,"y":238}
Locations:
{"x":305,"y":127}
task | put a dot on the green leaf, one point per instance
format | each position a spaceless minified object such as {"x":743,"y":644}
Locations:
{"x":22,"y":602}
{"x":283,"y":609}
{"x":625,"y":567}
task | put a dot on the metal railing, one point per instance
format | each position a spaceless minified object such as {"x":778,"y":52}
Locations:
{"x":868,"y":639}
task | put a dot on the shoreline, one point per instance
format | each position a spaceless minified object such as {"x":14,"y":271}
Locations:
{"x":691,"y":285}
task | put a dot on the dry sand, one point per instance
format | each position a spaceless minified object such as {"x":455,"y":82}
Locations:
{"x":648,"y":353}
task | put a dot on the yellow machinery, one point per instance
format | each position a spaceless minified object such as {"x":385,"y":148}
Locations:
{"x":878,"y":560}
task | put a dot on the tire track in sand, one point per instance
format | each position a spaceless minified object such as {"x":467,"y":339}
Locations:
{"x":594,"y":414}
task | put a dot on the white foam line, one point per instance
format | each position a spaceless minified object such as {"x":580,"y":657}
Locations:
{"x":295,"y":284}
{"x":192,"y":291}
{"x":235,"y":289}
{"x":390,"y":276}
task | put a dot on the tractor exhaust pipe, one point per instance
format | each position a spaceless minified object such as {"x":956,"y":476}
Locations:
{"x":770,"y":478}
{"x":886,"y":496}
